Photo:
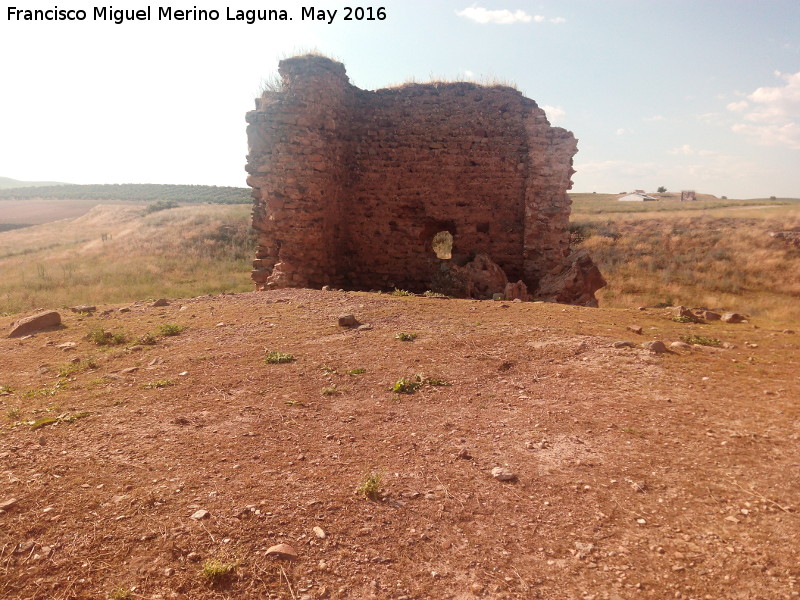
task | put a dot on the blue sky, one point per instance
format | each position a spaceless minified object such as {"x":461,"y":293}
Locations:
{"x":698,"y":94}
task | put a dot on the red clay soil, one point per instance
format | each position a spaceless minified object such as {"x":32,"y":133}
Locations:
{"x":636,"y":475}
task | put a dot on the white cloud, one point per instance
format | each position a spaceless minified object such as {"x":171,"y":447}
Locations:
{"x":469,"y":74}
{"x":738,"y":106}
{"x":621,"y":131}
{"x":772,"y":116}
{"x":787,"y":134}
{"x":555,"y":114}
{"x":687,"y":150}
{"x":503,"y":16}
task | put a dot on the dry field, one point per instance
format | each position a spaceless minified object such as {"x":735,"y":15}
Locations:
{"x":16,"y":213}
{"x":185,"y":251}
{"x":636,"y":475}
{"x":709,"y":253}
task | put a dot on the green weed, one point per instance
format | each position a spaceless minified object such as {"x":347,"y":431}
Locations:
{"x":398,"y":292}
{"x":171,"y":329}
{"x":331,"y":390}
{"x":161,"y":383}
{"x":684,"y":319}
{"x":101,"y":337}
{"x":701,"y":339}
{"x":70,"y":369}
{"x":406,"y":337}
{"x":354,"y":372}
{"x":45,"y":391}
{"x":148,"y":339}
{"x":274,"y":358}
{"x":633,"y":431}
{"x":6,"y":389}
{"x":370,"y":486}
{"x":406,"y":386}
{"x":45,"y":421}
{"x":216,"y":570}
{"x":14,"y":413}
{"x":120,"y":593}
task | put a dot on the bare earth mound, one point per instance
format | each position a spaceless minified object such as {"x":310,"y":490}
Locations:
{"x":632,"y":474}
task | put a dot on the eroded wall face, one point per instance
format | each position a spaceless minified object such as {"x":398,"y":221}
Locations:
{"x":428,"y":160}
{"x":350,"y":186}
{"x":296,"y":143}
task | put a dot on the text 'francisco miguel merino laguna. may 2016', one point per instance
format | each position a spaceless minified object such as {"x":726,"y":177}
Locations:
{"x":168,"y":13}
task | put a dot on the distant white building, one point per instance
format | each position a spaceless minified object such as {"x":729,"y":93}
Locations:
{"x":637,"y":196}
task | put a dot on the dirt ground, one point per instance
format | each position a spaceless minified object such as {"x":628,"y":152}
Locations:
{"x":636,"y":475}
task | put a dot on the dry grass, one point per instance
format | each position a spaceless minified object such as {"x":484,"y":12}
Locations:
{"x":186,"y":251}
{"x":720,"y":258}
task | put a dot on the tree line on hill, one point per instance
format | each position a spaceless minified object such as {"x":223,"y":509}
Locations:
{"x":135,"y":192}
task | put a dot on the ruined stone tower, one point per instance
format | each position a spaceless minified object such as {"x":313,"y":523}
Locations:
{"x":350,"y":186}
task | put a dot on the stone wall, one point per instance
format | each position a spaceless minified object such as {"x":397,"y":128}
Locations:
{"x":350,"y":186}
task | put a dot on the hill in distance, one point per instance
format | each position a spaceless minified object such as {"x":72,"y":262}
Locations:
{"x":7,"y":182}
{"x":130,"y":192}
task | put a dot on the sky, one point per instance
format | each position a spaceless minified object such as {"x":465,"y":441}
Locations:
{"x":685,"y":94}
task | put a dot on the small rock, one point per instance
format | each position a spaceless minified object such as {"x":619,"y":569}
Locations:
{"x":732,"y":519}
{"x":788,"y":331}
{"x":160,"y":302}
{"x":464,"y":453}
{"x":642,"y":308}
{"x":682,"y":311}
{"x":347,"y":321}
{"x":42,"y":320}
{"x":83,"y":308}
{"x":635,"y":329}
{"x":193,"y":557}
{"x":680,"y":346}
{"x":282,"y":551}
{"x":67,"y":346}
{"x":503,"y":474}
{"x":129,"y":370}
{"x":169,"y":572}
{"x":200,"y":514}
{"x":728,"y":346}
{"x":6,"y":504}
{"x":656,"y":347}
{"x":732,"y":317}
{"x":124,"y":309}
{"x":710,"y":315}
{"x":319,"y":532}
{"x":326,"y":288}
{"x":365,"y":327}
{"x":623,"y":344}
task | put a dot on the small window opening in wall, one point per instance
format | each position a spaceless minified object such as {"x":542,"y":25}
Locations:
{"x":443,"y":245}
